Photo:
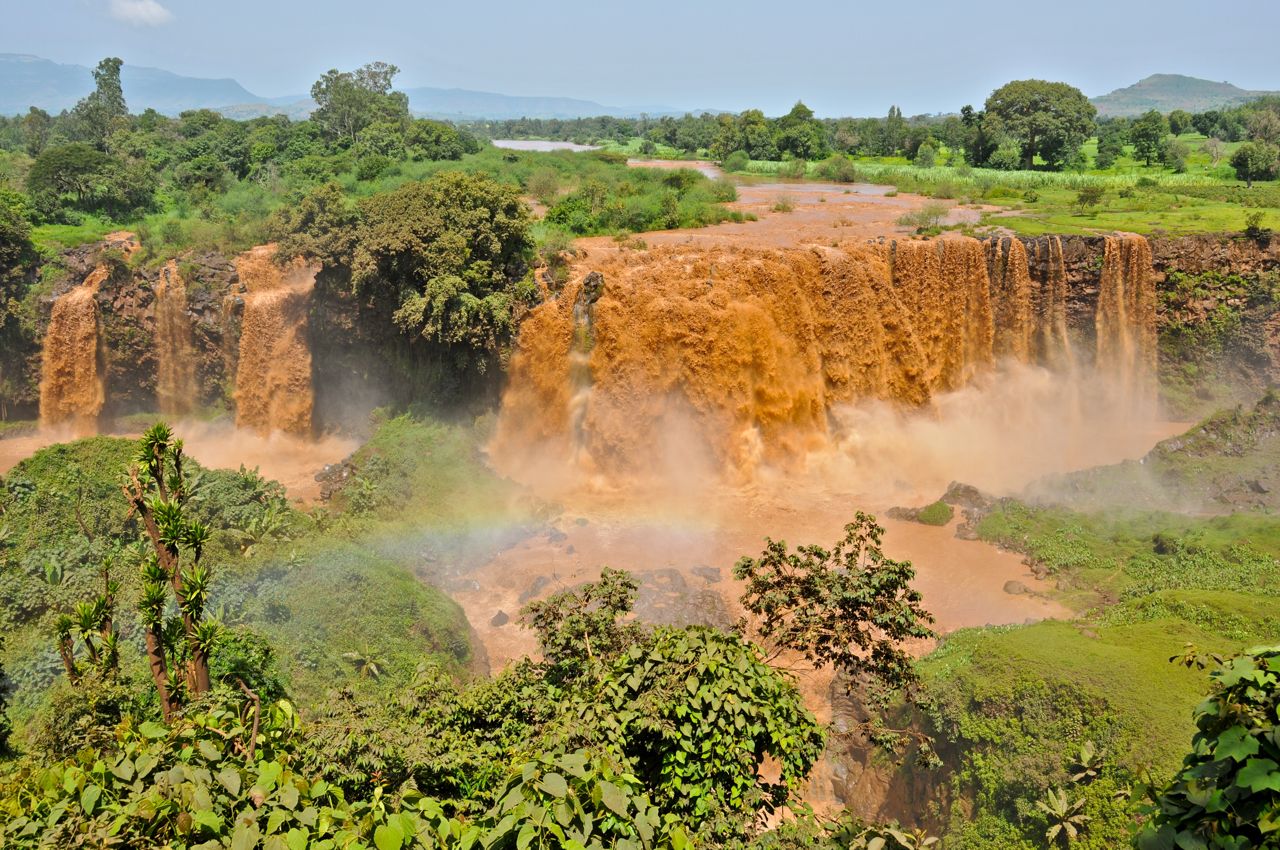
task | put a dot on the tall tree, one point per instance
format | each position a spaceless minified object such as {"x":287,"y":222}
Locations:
{"x":1048,"y":120}
{"x":103,"y":109}
{"x":1147,"y":134}
{"x":349,"y":101}
{"x":36,"y":125}
{"x":177,"y":649}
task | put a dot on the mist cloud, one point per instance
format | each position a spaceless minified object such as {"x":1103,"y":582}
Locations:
{"x":140,"y":13}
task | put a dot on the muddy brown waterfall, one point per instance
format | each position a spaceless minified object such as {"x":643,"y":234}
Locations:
{"x":273,"y":380}
{"x":744,"y":353}
{"x":175,"y":349}
{"x":72,"y":379}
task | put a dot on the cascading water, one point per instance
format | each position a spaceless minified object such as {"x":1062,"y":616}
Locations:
{"x":72,"y":380}
{"x":175,"y":348}
{"x":745,"y":353}
{"x":1011,"y":288}
{"x":274,"y":389}
{"x":1125,"y":322}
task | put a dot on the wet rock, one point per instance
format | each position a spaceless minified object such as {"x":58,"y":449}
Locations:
{"x":539,"y":584}
{"x":1258,"y":487}
{"x":1016,"y":588}
{"x":499,"y":619}
{"x":710,"y":574}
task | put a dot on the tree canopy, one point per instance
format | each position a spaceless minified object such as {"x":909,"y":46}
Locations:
{"x":1048,"y":120}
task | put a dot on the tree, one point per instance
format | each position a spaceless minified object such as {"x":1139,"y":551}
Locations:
{"x":451,"y":251}
{"x":177,"y":648}
{"x":1179,"y":122}
{"x":103,"y":109}
{"x":1227,"y":794}
{"x":581,"y":627}
{"x":1112,"y":137}
{"x":849,"y":607}
{"x":694,"y":713}
{"x":1264,"y":125}
{"x":36,"y":126}
{"x":1255,"y":161}
{"x":801,"y":135}
{"x":1048,"y":120}
{"x":1147,"y":134}
{"x":349,"y":101}
{"x":1214,"y":148}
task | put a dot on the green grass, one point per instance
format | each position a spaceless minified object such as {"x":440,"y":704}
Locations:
{"x":1136,"y":198}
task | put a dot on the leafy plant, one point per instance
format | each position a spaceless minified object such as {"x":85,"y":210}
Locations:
{"x":1066,"y":816}
{"x":1227,"y":794}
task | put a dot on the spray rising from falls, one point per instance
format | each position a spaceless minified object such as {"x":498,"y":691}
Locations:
{"x":175,"y":348}
{"x":273,"y":380}
{"x":72,"y":380}
{"x":724,"y":361}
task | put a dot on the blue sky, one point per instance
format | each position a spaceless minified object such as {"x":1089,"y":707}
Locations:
{"x":848,"y":57}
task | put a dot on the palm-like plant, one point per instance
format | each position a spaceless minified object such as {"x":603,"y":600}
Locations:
{"x":1085,"y":768}
{"x":1066,"y":818}
{"x":367,"y":666}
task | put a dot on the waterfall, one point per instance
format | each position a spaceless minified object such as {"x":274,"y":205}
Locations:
{"x":273,"y":379}
{"x":175,"y":348}
{"x":72,"y":379}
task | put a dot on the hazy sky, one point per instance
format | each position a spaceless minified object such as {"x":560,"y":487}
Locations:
{"x":841,"y":56}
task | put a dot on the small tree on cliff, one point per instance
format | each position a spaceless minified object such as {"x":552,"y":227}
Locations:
{"x":103,"y":109}
{"x":177,"y":647}
{"x":849,"y":607}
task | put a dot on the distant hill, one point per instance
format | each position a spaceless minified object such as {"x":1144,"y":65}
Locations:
{"x":27,"y":81}
{"x":1167,"y":92}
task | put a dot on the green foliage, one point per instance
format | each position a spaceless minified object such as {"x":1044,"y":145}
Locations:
{"x":1227,"y":794}
{"x":850,"y":608}
{"x":1147,"y":134}
{"x":581,"y":627}
{"x":575,"y":800}
{"x":938,"y":513}
{"x":1256,"y":161}
{"x":349,"y":102}
{"x":694,"y":713}
{"x":1049,"y":121}
{"x":451,"y":251}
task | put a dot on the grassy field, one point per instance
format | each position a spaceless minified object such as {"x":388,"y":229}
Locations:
{"x":1135,"y":198}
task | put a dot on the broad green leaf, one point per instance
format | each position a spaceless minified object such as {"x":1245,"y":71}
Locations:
{"x":555,"y":785}
{"x":1236,"y":743}
{"x":245,"y":836}
{"x":296,"y":839}
{"x":89,"y":798}
{"x":525,"y":838}
{"x":153,"y":730}
{"x":613,"y":798}
{"x":208,"y":750}
{"x":229,"y":778}
{"x":210,"y":820}
{"x":389,"y":836}
{"x":1259,"y":775}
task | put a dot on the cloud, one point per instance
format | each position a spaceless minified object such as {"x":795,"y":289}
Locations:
{"x":142,"y":13}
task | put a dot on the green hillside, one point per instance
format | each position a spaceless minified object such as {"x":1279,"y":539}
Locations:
{"x":1167,"y":92}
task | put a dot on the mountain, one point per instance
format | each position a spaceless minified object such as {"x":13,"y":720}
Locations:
{"x":27,"y":81}
{"x":1167,"y":92}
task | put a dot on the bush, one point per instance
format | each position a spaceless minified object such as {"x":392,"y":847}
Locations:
{"x":736,"y":161}
{"x":939,"y":513}
{"x":927,"y":218}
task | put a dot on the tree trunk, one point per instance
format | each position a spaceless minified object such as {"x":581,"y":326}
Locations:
{"x":159,"y":671}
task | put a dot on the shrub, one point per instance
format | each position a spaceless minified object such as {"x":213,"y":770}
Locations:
{"x":939,"y":513}
{"x":784,"y":204}
{"x":927,"y":218}
{"x":736,"y":161}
